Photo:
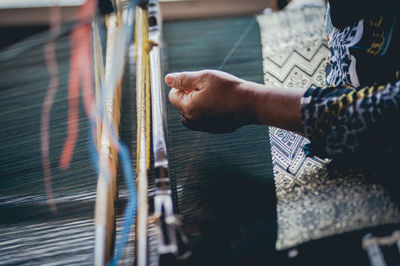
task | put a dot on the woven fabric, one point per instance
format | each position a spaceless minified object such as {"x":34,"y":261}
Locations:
{"x":30,"y":233}
{"x":316,"y":199}
{"x":224,"y":186}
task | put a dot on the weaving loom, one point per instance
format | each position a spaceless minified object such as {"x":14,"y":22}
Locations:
{"x":224,"y":188}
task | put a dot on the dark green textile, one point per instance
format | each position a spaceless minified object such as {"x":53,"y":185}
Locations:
{"x":224,"y":187}
{"x":224,"y":183}
{"x":29,"y":233}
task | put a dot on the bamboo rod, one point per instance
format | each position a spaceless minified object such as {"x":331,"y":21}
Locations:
{"x":142,"y":105}
{"x":107,"y":182}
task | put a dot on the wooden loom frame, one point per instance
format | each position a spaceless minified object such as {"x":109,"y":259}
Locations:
{"x":150,"y":114}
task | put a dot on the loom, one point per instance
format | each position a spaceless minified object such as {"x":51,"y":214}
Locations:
{"x":200,"y":198}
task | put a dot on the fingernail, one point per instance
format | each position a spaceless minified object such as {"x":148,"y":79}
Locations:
{"x":169,"y":79}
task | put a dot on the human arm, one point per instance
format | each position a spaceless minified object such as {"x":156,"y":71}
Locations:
{"x":218,"y":102}
{"x":337,"y":121}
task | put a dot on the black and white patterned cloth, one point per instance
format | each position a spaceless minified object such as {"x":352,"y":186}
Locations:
{"x":359,"y":110}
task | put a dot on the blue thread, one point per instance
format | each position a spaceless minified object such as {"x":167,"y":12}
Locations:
{"x":130,"y":210}
{"x":123,"y":152}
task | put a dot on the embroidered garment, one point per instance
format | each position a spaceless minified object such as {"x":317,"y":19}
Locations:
{"x":316,"y":199}
{"x":362,"y":73}
{"x":343,"y":121}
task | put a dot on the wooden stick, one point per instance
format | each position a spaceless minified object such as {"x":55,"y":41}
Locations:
{"x":142,"y":83}
{"x":107,"y":182}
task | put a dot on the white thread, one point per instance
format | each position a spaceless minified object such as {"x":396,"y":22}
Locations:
{"x":237,"y":43}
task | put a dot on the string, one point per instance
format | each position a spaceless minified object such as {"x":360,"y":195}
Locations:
{"x":80,"y":72}
{"x":99,"y":78}
{"x":122,"y":150}
{"x":81,"y":75}
{"x":130,"y":210}
{"x":121,"y":48}
{"x":73,"y":101}
{"x":139,"y":102}
{"x":237,"y":43}
{"x":51,"y":62}
{"x":147,"y":48}
{"x":96,"y":122}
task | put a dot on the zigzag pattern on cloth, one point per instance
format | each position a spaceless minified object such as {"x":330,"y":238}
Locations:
{"x":313,"y":202}
{"x":295,"y":65}
{"x":289,"y":63}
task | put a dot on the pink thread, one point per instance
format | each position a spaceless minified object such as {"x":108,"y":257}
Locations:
{"x":80,"y":70}
{"x":80,"y":73}
{"x":51,"y":62}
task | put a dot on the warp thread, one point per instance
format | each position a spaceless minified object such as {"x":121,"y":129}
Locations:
{"x":51,"y":62}
{"x":237,"y":43}
{"x":80,"y":72}
{"x":81,"y":76}
{"x":80,"y":69}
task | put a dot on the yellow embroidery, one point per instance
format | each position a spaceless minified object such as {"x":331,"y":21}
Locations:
{"x":378,"y":34}
{"x":332,"y":111}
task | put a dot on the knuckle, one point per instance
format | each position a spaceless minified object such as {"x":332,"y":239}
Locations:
{"x":181,"y":79}
{"x":206,"y":74}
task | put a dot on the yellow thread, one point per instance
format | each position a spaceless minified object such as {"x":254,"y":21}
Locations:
{"x":370,"y":90}
{"x":138,"y":108}
{"x":340,"y":107}
{"x":381,"y":87}
{"x":146,"y":67}
{"x":143,"y":84}
{"x":148,"y":125}
{"x":96,"y":59}
{"x":377,"y":34}
{"x":376,"y":24}
{"x":146,"y":74}
{"x":363,"y":93}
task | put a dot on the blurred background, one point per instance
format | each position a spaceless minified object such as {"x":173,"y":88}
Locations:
{"x":19,"y":19}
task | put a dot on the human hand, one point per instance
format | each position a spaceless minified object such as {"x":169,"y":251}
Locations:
{"x":210,"y":100}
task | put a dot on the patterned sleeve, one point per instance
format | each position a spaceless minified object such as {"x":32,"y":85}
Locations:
{"x":339,"y":121}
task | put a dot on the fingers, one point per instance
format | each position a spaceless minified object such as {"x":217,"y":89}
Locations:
{"x":177,"y":98}
{"x":183,"y":81}
{"x":184,"y":93}
{"x":184,"y":87}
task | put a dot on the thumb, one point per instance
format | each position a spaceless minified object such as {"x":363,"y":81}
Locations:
{"x":183,"y":80}
{"x":170,"y":79}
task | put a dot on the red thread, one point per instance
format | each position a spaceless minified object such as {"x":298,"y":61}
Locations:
{"x":80,"y":74}
{"x":51,"y":62}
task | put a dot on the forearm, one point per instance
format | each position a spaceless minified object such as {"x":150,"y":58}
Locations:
{"x":218,"y":102}
{"x":279,"y":107}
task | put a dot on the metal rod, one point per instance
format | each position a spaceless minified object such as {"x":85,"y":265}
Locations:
{"x":163,"y":203}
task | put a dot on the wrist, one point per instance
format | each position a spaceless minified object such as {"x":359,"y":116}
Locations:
{"x":248,"y":98}
{"x":280,"y":107}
